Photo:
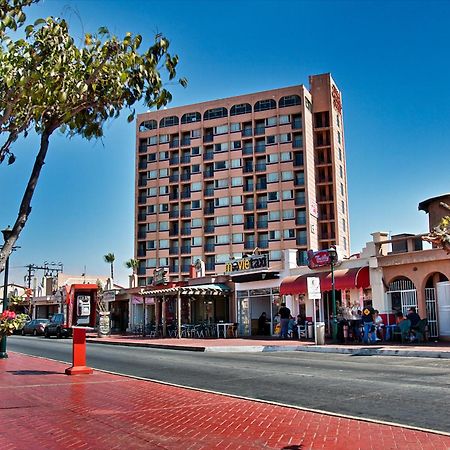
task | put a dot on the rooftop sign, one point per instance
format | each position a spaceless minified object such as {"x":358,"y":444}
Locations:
{"x":247,"y":264}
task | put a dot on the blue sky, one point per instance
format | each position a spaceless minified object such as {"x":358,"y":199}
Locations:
{"x":390,"y":59}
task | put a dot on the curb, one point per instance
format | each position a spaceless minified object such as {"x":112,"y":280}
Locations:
{"x":364,"y":351}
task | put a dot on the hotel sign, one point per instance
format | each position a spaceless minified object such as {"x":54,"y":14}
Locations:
{"x":248,"y":263}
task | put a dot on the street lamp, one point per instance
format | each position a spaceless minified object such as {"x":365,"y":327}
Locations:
{"x":6,"y":234}
{"x":333,"y":256}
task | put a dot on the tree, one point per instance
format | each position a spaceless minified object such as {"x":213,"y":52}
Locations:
{"x":110,"y":258}
{"x":440,"y":235}
{"x":132,"y":264}
{"x":48,"y":83}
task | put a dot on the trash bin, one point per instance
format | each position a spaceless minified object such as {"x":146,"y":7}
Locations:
{"x":310,"y":328}
{"x":320,"y":333}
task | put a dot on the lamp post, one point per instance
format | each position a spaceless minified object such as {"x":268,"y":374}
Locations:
{"x":6,"y":235}
{"x":332,"y":252}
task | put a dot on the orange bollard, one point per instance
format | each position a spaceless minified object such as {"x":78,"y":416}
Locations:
{"x":79,"y":353}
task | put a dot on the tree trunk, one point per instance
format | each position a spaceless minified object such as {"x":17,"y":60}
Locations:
{"x":25,"y":206}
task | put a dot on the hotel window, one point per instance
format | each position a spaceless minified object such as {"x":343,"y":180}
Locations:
{"x":341,"y":172}
{"x":343,"y":207}
{"x":163,"y":190}
{"x":196,"y":133}
{"x":275,"y":255}
{"x":222,"y":239}
{"x":289,"y":100}
{"x":196,"y":241}
{"x":196,"y":187}
{"x":196,"y":204}
{"x":148,"y":125}
{"x":235,"y":145}
{"x":288,"y":234}
{"x":163,"y":173}
{"x":191,"y":117}
{"x":152,"y":192}
{"x":163,"y":207}
{"x":264,"y":105}
{"x":235,"y":127}
{"x":222,"y":129}
{"x":242,"y":108}
{"x":163,"y":138}
{"x":163,"y":262}
{"x":236,"y":200}
{"x":286,"y":156}
{"x":150,"y":263}
{"x":168,"y":121}
{"x":164,"y":243}
{"x":163,"y":156}
{"x":274,"y":216}
{"x":288,"y":195}
{"x":343,"y":225}
{"x":340,"y":154}
{"x":163,"y":226}
{"x":223,"y":147}
{"x":236,"y":181}
{"x":286,"y":176}
{"x":288,"y":214}
{"x":285,"y":137}
{"x":272,"y":158}
{"x":222,"y":183}
{"x":271,"y":140}
{"x":152,"y":140}
{"x":339,"y":137}
{"x":272,"y":177}
{"x":196,"y":223}
{"x":342,"y":189}
{"x":151,"y":157}
{"x":308,"y":104}
{"x":302,"y":238}
{"x":274,"y":235}
{"x":151,"y":209}
{"x":238,"y":219}
{"x":152,"y":174}
{"x":221,"y":201}
{"x":284,"y":119}
{"x":221,"y":220}
{"x":338,"y":121}
{"x":236,"y":163}
{"x":222,"y":259}
{"x":195,"y":168}
{"x":237,"y":238}
{"x":344,"y":239}
{"x":220,"y":165}
{"x":196,"y":151}
{"x":273,"y":196}
{"x":151,"y":245}
{"x":271,"y":121}
{"x":152,"y":226}
{"x":215,"y":113}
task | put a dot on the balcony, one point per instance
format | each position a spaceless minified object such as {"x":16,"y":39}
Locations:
{"x":142,"y":182}
{"x":260,"y":130}
{"x":249,"y":206}
{"x":261,"y":185}
{"x":185,"y":231}
{"x":299,"y":181}
{"x":208,"y":138}
{"x":174,"y":214}
{"x":209,"y":192}
{"x":262,"y":224}
{"x":185,"y":142}
{"x":174,"y":160}
{"x":209,"y":210}
{"x":208,"y":173}
{"x":208,"y":228}
{"x":142,"y":200}
{"x":248,"y":188}
{"x":174,"y":232}
{"x":263,"y":243}
{"x":209,"y":248}
{"x":260,"y":167}
{"x":142,"y":217}
{"x":142,"y":165}
{"x":260,"y":148}
{"x":208,"y":156}
{"x":249,"y":245}
{"x":185,"y":176}
{"x":143,"y":148}
{"x":142,"y":252}
{"x":186,"y":194}
{"x":301,"y":240}
{"x":297,"y":124}
{"x":185,"y":268}
{"x":142,"y":234}
{"x":185,"y":159}
{"x":261,"y":205}
{"x":210,"y":266}
{"x":185,"y":213}
{"x":174,"y":144}
{"x":248,"y":169}
{"x":141,"y":271}
{"x":300,"y":201}
{"x":247,"y":132}
{"x":249,"y":226}
{"x":185,"y":250}
{"x":174,"y":251}
{"x":174,"y":178}
{"x":300,"y":220}
{"x":297,"y":143}
{"x":173,"y":196}
{"x":247,"y":151}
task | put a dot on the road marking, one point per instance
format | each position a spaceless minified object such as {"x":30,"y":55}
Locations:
{"x":269,"y":402}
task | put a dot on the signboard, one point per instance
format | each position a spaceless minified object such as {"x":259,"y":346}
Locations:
{"x":313,"y":210}
{"x":313,"y":287}
{"x":247,"y":264}
{"x":159,"y":276}
{"x":109,"y":296}
{"x":318,"y":259}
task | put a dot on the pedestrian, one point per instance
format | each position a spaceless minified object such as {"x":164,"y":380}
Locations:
{"x":368,"y":323}
{"x":263,"y":325}
{"x":284,"y":313}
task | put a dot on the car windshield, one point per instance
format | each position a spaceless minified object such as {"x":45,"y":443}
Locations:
{"x":42,"y":320}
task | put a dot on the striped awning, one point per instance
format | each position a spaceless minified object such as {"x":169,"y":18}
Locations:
{"x":201,"y":289}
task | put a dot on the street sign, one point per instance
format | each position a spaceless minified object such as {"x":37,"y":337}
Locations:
{"x":313,"y":287}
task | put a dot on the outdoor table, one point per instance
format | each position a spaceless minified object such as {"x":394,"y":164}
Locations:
{"x":225,"y":328}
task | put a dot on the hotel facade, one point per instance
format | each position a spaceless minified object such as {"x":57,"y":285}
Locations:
{"x":217,"y":180}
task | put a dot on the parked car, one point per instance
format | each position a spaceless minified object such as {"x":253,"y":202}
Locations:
{"x":35,"y":327}
{"x":57,"y":327}
{"x":24,"y":321}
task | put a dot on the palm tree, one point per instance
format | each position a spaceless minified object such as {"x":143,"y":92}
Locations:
{"x":132,"y":264}
{"x":110,"y":258}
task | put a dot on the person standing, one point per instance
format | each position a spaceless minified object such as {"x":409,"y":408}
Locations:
{"x":369,"y":325}
{"x":285,"y":314}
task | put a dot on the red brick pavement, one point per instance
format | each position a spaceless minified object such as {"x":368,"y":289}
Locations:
{"x":41,"y":408}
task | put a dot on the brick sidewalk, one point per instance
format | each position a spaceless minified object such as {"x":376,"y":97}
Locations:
{"x":44,"y":409}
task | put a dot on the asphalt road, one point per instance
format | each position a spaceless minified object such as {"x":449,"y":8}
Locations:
{"x":410,"y":391}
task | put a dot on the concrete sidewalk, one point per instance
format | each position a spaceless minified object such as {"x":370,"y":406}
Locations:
{"x":427,"y":350}
{"x":44,"y":409}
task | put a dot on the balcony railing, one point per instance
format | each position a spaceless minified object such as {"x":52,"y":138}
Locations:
{"x":261,"y":205}
{"x":185,"y":159}
{"x":249,"y":206}
{"x":142,"y":252}
{"x":174,"y":178}
{"x":262,"y":223}
{"x":299,"y":181}
{"x":185,"y":176}
{"x":185,"y":249}
{"x":186,"y":194}
{"x":260,"y":167}
{"x":209,"y":192}
{"x":297,"y":143}
{"x":173,"y":196}
{"x":142,"y":148}
{"x":142,"y":182}
{"x":248,"y":169}
{"x":208,"y":138}
{"x":174,"y":214}
{"x":246,"y":132}
{"x":249,"y":226}
{"x":174,"y":251}
{"x":260,"y":130}
{"x":249,"y":245}
{"x":185,"y":142}
{"x":142,"y":200}
{"x":247,"y":151}
{"x":209,"y":248}
{"x":208,"y":156}
{"x":185,"y":213}
{"x":248,"y":188}
{"x":142,"y":234}
{"x":300,"y":201}
{"x":174,"y":160}
{"x":174,"y":232}
{"x":141,"y":271}
{"x":296,"y":124}
{"x":185,"y":268}
{"x":208,"y":173}
{"x":185,"y":231}
{"x":174,"y":144}
{"x":142,"y":217}
{"x":210,"y":266}
{"x":209,"y":210}
{"x":300,"y":221}
{"x":143,"y":165}
{"x":209,"y":228}
{"x":260,"y":148}
{"x":263,"y":243}
{"x":261,"y":185}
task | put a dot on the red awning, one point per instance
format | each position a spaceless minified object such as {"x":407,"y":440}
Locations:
{"x":357,"y":277}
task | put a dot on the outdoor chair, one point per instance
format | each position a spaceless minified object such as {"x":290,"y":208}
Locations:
{"x":302,"y":331}
{"x":419,"y":330}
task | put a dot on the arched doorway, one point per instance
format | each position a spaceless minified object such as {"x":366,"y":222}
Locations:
{"x":402,"y":295}
{"x":431,"y":302}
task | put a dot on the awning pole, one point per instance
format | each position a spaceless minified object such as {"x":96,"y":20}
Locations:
{"x":163,"y":316}
{"x":179,"y":313}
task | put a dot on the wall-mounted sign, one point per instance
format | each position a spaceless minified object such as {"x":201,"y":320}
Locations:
{"x":313,"y":288}
{"x":159,"y":276}
{"x":248,"y":263}
{"x":318,"y":259}
{"x":199,"y":267}
{"x":337,"y":102}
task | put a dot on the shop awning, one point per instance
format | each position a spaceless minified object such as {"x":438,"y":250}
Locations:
{"x":201,"y":289}
{"x":357,"y":277}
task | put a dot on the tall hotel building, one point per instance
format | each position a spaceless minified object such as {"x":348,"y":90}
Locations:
{"x":216,"y":180}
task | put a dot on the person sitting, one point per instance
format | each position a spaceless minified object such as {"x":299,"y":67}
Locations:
{"x":379,"y":326}
{"x":263,"y":325}
{"x":292,"y":328}
{"x":399,"y":317}
{"x":414,"y":318}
